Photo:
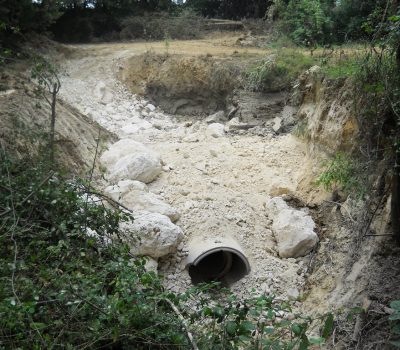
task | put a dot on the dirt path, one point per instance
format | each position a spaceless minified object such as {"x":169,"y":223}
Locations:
{"x":219,"y":184}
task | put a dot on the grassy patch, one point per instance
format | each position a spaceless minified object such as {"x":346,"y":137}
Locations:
{"x":277,"y":71}
{"x":341,"y":173}
{"x":347,"y":66}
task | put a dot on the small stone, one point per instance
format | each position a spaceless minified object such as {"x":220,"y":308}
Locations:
{"x":216,"y":130}
{"x":293,"y":293}
{"x":150,"y":107}
{"x":277,"y":124}
{"x":151,"y":264}
{"x":290,"y":316}
{"x":213,"y":153}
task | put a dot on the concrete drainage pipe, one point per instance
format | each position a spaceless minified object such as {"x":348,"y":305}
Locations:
{"x":219,"y":259}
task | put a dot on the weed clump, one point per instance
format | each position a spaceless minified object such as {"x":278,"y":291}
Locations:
{"x":276,"y":72}
{"x":341,"y":173}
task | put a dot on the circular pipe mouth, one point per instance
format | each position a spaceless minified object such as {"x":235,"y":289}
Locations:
{"x":225,"y":264}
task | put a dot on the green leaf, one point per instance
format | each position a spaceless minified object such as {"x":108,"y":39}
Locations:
{"x":394,"y":18}
{"x":328,"y":327}
{"x":231,"y":327}
{"x":37,"y":325}
{"x":395,"y":305}
{"x":247,"y":326}
{"x":304,"y":343}
{"x":317,"y":341}
{"x":396,"y":343}
{"x":394,"y":316}
{"x":270,"y":314}
{"x":244,"y":338}
{"x":296,"y":329}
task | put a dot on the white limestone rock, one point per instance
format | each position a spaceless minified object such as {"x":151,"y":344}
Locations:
{"x":136,"y":196}
{"x":151,"y":234}
{"x":216,"y":130}
{"x":128,"y":159}
{"x":151,"y":264}
{"x":293,"y":229}
{"x":150,"y":107}
{"x":103,"y":94}
{"x":277,"y":124}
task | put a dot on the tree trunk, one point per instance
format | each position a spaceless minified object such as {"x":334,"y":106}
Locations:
{"x":398,"y":57}
{"x":53,"y":122}
{"x":395,"y":205}
{"x":395,"y":5}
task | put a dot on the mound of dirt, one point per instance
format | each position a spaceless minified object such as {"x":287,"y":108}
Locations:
{"x":25,"y":119}
{"x":182,"y":85}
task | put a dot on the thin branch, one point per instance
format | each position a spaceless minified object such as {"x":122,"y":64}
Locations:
{"x":113,"y":202}
{"x":29,"y":195}
{"x":374,"y":213}
{"x":189,"y":334}
{"x":342,"y":206}
{"x":94,"y":306}
{"x":91,"y":173}
{"x":385,"y":234}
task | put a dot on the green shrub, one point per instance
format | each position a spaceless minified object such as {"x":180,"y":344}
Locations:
{"x":61,"y":286}
{"x":276,"y":72}
{"x":307,"y":22}
{"x":340,"y":173}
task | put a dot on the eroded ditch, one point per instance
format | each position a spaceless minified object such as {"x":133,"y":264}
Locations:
{"x":217,"y":171}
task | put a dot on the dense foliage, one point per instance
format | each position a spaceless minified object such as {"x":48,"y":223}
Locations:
{"x":307,"y":22}
{"x":312,"y":22}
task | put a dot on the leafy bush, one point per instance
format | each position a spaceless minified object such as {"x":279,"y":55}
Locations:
{"x":276,"y":72}
{"x":306,"y":21}
{"x":255,"y":323}
{"x":340,"y":173}
{"x":61,"y":286}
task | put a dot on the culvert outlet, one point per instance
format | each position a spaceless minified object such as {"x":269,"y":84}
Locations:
{"x":219,"y":259}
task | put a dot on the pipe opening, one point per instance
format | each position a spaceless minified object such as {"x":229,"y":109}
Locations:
{"x":221,"y":265}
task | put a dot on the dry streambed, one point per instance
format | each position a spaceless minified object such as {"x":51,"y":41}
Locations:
{"x":206,"y":177}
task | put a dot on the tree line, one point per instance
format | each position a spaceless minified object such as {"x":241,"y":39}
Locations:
{"x":307,"y":22}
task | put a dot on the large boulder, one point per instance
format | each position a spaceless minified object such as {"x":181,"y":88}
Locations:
{"x":293,"y":229}
{"x":151,"y":234}
{"x":136,"y":196}
{"x":128,"y":159}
